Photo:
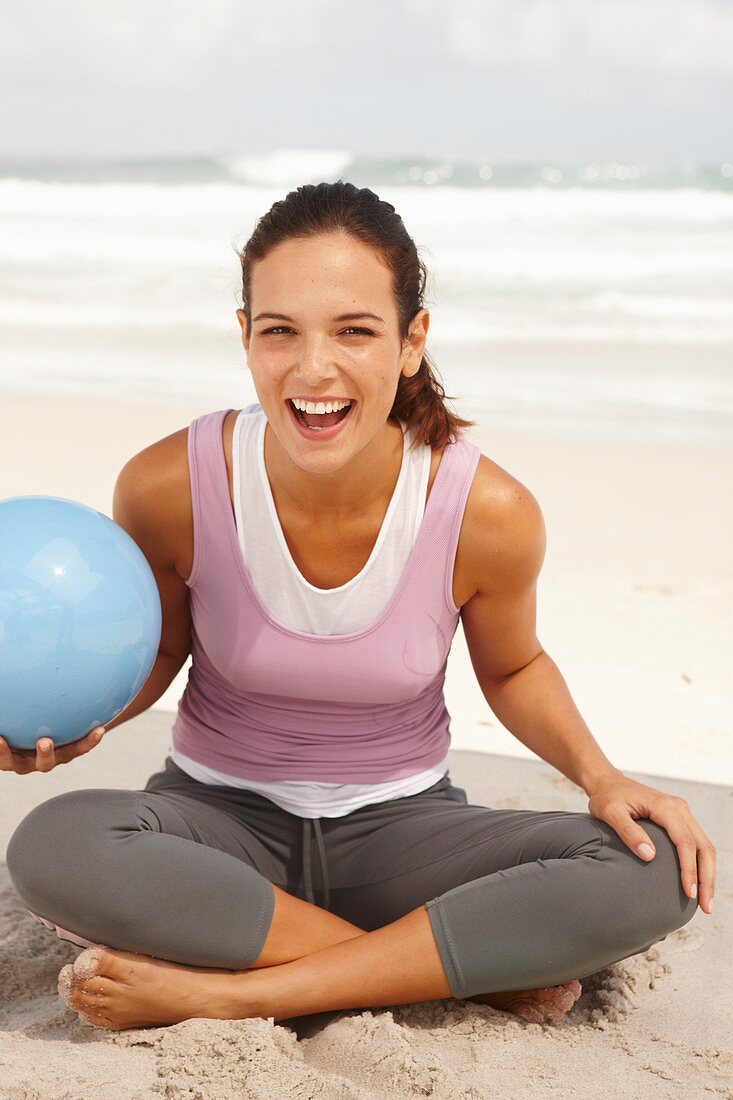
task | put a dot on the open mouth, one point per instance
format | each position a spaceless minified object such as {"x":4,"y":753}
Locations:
{"x":318,"y":415}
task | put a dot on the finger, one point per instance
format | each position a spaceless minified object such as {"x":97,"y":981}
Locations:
{"x":6,"y":756}
{"x":688,"y":838}
{"x":706,"y":874}
{"x":19,"y":762}
{"x":91,"y":740}
{"x":705,"y":860}
{"x":80,"y":747}
{"x":687,"y":854}
{"x":45,"y":755}
{"x":631,"y":833}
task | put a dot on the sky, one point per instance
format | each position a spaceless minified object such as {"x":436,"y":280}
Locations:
{"x":507,"y":79}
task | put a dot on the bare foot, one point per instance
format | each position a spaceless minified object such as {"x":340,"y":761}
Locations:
{"x":118,"y":990}
{"x":538,"y":1006}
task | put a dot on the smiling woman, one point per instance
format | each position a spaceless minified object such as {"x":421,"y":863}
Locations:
{"x":304,"y":849}
{"x":359,"y":248}
{"x":306,"y":355}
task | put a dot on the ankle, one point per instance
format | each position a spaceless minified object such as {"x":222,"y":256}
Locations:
{"x":243,"y":996}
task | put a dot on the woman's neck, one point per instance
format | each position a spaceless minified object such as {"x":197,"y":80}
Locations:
{"x":369,"y":476}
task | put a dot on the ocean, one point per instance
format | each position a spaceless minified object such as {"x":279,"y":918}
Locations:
{"x":564,"y":298}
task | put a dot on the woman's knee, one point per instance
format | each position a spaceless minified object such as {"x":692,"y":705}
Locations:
{"x":58,"y":850}
{"x":651,"y":892}
{"x":668,"y":877}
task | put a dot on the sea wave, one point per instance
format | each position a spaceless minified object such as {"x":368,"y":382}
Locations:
{"x":122,"y":278}
{"x":288,"y":167}
{"x":291,"y":167}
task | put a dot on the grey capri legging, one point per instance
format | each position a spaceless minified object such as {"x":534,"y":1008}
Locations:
{"x":183,"y":871}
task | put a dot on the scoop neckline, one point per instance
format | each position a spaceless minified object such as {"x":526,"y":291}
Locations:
{"x":332,"y":639}
{"x":282,"y":541}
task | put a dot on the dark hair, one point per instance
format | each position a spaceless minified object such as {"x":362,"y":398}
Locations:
{"x":341,"y":207}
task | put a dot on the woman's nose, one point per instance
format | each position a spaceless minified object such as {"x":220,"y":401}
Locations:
{"x":315,"y":363}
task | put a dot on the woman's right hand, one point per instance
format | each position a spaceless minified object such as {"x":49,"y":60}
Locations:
{"x":46,"y":756}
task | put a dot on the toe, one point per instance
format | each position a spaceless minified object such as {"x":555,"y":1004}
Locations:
{"x":64,"y":984}
{"x":91,"y":1006}
{"x":89,"y":963}
{"x":94,"y":1017}
{"x":557,"y":1008}
{"x":532,"y":1013}
{"x":106,"y":961}
{"x":90,"y":995}
{"x":92,"y":987}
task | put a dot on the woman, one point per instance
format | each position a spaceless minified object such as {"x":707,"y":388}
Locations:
{"x":304,"y":849}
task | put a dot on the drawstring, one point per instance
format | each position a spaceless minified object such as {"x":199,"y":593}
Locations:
{"x":311,"y":825}
{"x":324,"y":866}
{"x":307,"y":876}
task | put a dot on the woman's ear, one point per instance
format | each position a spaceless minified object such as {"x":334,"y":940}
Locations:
{"x":242,"y":318}
{"x":414,"y":346}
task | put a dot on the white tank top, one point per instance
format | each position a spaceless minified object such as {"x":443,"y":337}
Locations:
{"x":285,"y":592}
{"x":299,"y":605}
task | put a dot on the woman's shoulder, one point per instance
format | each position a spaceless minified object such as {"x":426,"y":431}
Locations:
{"x":497,"y":497}
{"x":153,"y":490}
{"x":503,"y":531}
{"x":163,"y":466}
{"x":152,"y":501}
{"x":159,"y":468}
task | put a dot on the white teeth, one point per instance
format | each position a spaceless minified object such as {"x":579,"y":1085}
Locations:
{"x":317,"y":408}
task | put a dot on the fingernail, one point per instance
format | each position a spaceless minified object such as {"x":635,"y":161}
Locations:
{"x":693,"y":890}
{"x":98,"y":736}
{"x":45,"y":746}
{"x":710,"y":906}
{"x":645,"y":851}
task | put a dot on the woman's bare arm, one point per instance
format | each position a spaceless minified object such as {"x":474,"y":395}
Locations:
{"x":497,"y":565}
{"x":152,"y":501}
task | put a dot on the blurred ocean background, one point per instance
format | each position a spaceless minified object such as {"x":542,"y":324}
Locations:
{"x":578,"y":298}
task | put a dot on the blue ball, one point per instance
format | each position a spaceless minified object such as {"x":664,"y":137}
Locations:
{"x":79,"y":620}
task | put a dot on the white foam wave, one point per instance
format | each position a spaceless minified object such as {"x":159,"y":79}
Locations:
{"x":654,"y":206}
{"x":126,"y":201}
{"x":259,"y":180}
{"x":288,"y":167}
{"x":520,"y":330}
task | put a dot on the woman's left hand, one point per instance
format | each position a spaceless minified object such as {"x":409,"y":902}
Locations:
{"x":620,"y":802}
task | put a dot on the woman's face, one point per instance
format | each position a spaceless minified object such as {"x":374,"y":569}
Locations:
{"x":324,"y":347}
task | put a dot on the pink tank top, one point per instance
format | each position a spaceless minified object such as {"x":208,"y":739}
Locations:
{"x":267,"y":702}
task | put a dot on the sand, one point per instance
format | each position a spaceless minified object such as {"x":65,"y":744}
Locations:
{"x":636,"y":608}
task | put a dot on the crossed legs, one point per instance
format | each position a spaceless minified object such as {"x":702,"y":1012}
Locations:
{"x":397,"y":964}
{"x":570,"y":900}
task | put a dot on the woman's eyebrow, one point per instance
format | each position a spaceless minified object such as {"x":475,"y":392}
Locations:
{"x":359,"y":316}
{"x":343,"y":317}
{"x":273,"y":316}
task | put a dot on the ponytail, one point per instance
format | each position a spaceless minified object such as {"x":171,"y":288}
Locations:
{"x":421,"y":402}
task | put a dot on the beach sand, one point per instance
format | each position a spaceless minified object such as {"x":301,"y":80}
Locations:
{"x":635,"y":606}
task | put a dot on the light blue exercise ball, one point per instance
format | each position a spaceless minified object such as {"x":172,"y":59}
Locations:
{"x":79,"y":620}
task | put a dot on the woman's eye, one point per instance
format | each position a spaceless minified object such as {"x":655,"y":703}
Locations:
{"x":285,"y":330}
